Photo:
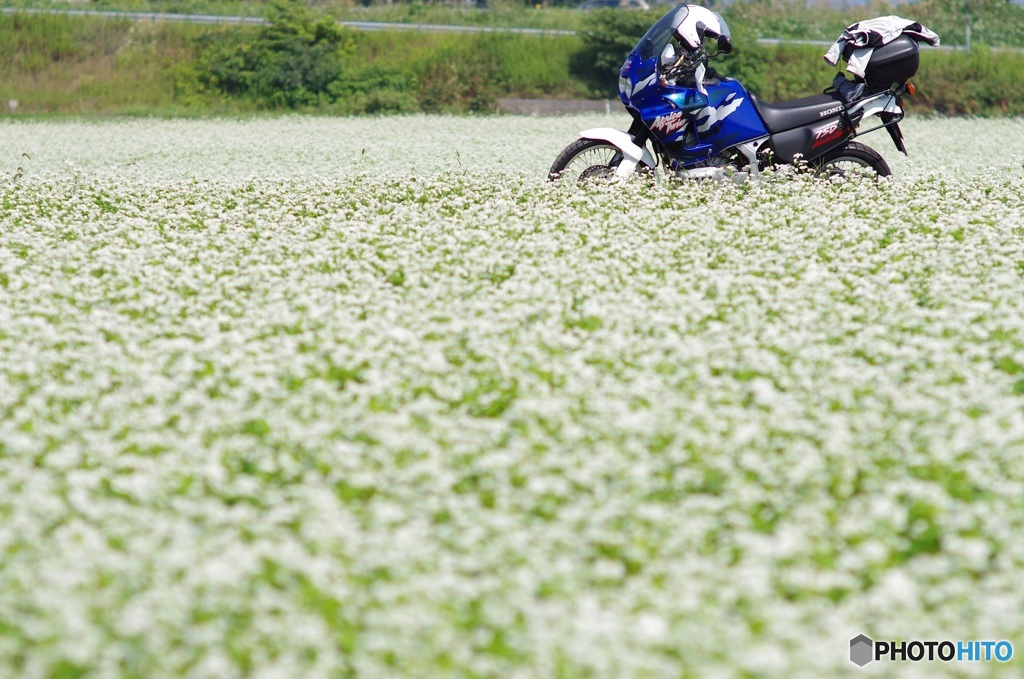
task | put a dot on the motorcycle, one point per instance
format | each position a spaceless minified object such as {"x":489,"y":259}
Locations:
{"x":693,"y":122}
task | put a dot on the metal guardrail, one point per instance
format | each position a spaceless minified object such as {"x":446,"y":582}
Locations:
{"x":141,"y":16}
{"x":826,"y":44}
{"x":258,"y":21}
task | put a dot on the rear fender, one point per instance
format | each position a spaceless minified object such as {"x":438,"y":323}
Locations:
{"x":632,"y":154}
{"x":887,"y":107}
{"x":897,"y":136}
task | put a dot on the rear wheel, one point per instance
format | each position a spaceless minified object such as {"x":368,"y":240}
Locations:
{"x":852,"y":160}
{"x":586,"y":160}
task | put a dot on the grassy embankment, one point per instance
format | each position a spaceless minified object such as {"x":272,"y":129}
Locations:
{"x":993,"y":22}
{"x":84,"y":65}
{"x":507,"y":13}
{"x":81,"y":65}
{"x":58,"y":64}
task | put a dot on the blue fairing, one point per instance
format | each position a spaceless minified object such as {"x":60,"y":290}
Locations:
{"x":692,"y":127}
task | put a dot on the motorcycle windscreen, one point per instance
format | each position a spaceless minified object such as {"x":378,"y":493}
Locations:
{"x":639,"y":71}
{"x":658,"y":35}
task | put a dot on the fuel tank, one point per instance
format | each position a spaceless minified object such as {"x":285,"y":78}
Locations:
{"x":695,"y":127}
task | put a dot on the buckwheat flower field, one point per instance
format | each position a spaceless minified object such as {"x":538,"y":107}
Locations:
{"x":329,"y":398}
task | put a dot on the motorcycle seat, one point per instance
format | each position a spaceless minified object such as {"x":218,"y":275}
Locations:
{"x":789,"y":115}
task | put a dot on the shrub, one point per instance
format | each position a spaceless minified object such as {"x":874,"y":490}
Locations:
{"x":290,"y":63}
{"x":609,"y":35}
{"x":983,"y":82}
{"x":459,"y":78}
{"x":375,"y":89}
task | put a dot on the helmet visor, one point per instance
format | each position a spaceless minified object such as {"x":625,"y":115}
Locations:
{"x":723,"y":41}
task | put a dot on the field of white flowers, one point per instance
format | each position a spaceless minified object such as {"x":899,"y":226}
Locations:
{"x":328,"y":398}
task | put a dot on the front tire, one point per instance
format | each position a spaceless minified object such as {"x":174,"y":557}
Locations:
{"x":586,"y":160}
{"x":852,"y":160}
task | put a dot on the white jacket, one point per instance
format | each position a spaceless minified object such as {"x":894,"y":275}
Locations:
{"x":859,"y":40}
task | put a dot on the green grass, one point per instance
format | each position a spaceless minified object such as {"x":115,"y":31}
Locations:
{"x":994,"y":22}
{"x":74,"y":65}
{"x":500,"y":13}
{"x":87,"y":65}
{"x":524,"y":65}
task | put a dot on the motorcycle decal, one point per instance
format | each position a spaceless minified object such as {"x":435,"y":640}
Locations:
{"x":827,"y":113}
{"x":717,"y":115}
{"x":828,"y":133}
{"x":698,"y":77}
{"x":649,"y":80}
{"x":669,"y":123}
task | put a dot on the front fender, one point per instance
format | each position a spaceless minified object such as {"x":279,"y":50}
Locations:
{"x":631,"y":152}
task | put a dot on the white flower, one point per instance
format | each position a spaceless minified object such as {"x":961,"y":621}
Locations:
{"x":272,"y":406}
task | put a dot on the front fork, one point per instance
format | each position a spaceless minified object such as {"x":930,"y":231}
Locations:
{"x":641,"y":136}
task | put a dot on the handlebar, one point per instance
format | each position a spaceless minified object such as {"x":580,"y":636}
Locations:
{"x":691,"y":64}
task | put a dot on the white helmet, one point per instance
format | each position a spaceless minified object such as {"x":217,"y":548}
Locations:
{"x":700,"y":22}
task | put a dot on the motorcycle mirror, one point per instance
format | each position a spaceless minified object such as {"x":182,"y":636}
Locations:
{"x":724,"y":45}
{"x":668,"y":55}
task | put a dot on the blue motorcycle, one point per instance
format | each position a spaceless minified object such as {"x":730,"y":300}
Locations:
{"x":693,"y":122}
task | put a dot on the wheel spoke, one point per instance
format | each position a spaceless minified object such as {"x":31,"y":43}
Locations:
{"x":848,"y":166}
{"x":593,"y":162}
{"x":853,"y":160}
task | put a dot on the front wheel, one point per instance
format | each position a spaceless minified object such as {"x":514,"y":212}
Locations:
{"x":852,"y":160}
{"x":586,"y":160}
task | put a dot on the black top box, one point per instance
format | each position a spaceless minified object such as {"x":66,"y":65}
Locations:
{"x":895,"y":62}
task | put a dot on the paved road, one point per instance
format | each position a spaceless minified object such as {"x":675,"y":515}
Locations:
{"x":557,"y":107}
